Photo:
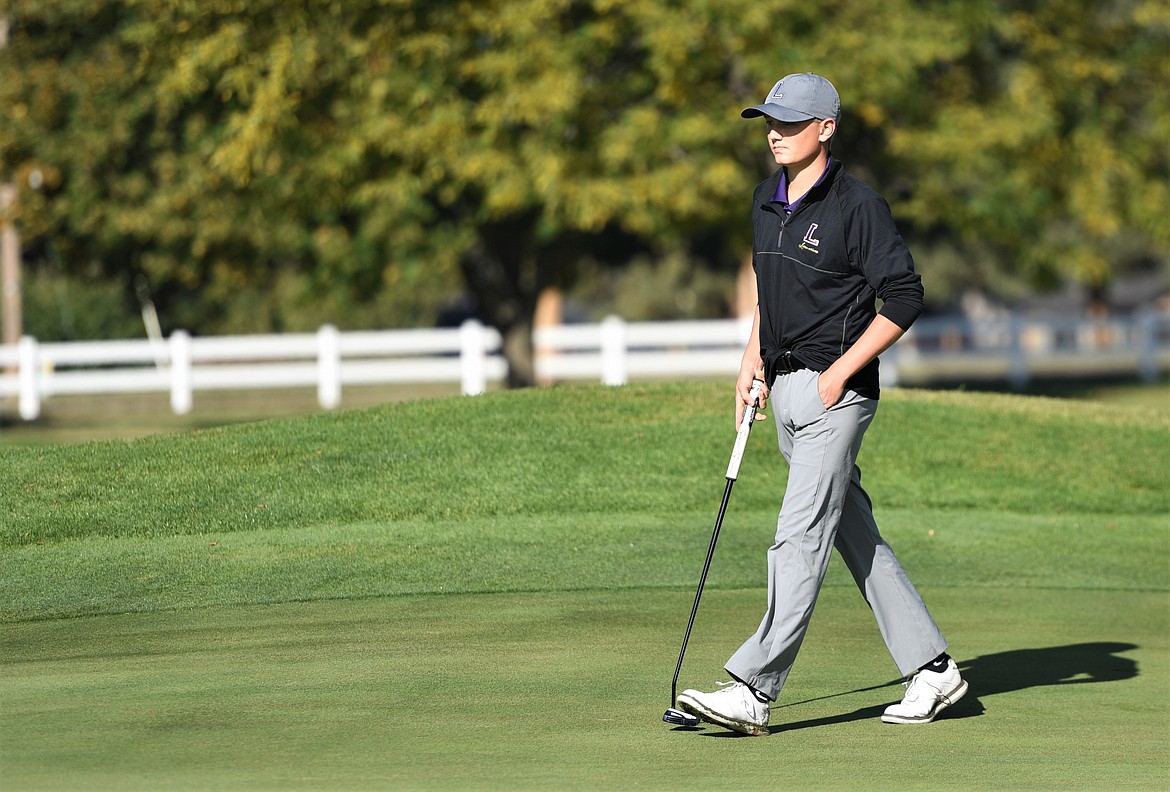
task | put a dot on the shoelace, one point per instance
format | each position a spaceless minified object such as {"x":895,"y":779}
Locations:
{"x":748,"y":695}
{"x":914,"y":687}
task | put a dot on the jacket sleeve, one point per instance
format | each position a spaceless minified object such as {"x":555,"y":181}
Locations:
{"x":885,"y":261}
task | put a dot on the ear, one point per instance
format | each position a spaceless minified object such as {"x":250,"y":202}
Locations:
{"x":828,"y":129}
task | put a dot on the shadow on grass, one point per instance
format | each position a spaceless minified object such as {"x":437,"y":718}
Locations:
{"x":990,"y":675}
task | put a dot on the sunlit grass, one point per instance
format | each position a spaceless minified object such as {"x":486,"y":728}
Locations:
{"x":489,"y":593}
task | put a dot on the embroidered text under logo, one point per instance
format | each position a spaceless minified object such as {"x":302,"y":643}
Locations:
{"x":808,"y":237}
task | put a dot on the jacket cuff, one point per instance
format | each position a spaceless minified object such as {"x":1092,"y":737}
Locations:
{"x":901,"y":314}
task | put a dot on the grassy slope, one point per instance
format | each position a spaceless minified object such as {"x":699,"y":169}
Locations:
{"x":1038,"y":529}
{"x":641,"y":449}
{"x":566,"y":489}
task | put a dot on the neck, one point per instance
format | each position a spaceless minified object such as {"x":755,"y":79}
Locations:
{"x":803,"y":175}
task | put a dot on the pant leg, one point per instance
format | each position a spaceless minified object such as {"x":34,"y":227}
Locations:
{"x":911,"y":635}
{"x":821,"y":448}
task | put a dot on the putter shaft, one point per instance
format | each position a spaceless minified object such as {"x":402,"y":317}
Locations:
{"x":745,"y":427}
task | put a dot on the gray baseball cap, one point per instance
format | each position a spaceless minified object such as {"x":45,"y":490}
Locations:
{"x":799,"y":97}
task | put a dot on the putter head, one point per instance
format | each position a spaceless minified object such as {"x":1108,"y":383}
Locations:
{"x":677,"y":717}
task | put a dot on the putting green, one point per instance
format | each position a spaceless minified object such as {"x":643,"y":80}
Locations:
{"x":479,"y":594}
{"x":566,"y":690}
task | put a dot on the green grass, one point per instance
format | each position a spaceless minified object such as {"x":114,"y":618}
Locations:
{"x":644,"y":449}
{"x":489,"y":593}
{"x":565,"y":691}
{"x":68,"y":418}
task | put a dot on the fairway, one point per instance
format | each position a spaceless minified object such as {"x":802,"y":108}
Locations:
{"x":490,"y":594}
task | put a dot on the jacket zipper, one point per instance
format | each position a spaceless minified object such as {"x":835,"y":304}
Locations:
{"x":780,"y":237}
{"x":783,"y":224}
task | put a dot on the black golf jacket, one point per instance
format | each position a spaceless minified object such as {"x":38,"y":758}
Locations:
{"x":820,"y":270}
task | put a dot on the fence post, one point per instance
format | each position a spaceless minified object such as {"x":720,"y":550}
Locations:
{"x":888,"y":367}
{"x":181,"y":380}
{"x":30,"y":378}
{"x":1018,"y":374}
{"x":328,"y":367}
{"x":472,"y":353}
{"x":1147,"y":344}
{"x":613,"y":351}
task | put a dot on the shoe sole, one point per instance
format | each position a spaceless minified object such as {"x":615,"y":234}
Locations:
{"x":688,"y":704}
{"x":939,"y":706}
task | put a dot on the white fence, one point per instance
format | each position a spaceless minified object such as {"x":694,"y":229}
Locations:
{"x":1017,"y":349}
{"x":613,"y":351}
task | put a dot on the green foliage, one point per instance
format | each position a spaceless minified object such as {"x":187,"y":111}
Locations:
{"x":205,"y":146}
{"x":270,"y":166}
{"x":67,"y":307}
{"x":1042,"y":145}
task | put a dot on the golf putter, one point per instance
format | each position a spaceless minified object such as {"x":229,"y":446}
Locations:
{"x":673,"y":715}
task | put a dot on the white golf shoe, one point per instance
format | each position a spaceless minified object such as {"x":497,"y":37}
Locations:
{"x":735,"y":706}
{"x":928,"y":694}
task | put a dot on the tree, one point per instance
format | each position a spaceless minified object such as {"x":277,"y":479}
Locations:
{"x":358,"y":147}
{"x":1040,"y":151}
{"x":271,"y":166}
{"x":538,"y":124}
{"x":208,"y":148}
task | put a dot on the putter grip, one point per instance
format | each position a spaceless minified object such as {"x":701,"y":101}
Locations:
{"x":745,"y":427}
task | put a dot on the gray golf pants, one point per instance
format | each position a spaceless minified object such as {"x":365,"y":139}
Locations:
{"x":825,"y":507}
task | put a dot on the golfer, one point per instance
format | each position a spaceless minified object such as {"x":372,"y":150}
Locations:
{"x":825,"y":248}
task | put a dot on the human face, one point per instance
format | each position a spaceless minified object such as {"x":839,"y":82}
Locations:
{"x":798,"y":143}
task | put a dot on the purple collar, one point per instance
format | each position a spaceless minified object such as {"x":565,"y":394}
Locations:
{"x":781,"y":196}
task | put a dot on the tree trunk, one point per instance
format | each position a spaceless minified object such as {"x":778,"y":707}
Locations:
{"x":501,"y":272}
{"x":518,"y":353}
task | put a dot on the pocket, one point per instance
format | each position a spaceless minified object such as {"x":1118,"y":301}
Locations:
{"x":808,"y":407}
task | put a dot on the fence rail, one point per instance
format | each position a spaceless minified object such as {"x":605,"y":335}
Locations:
{"x":1007,"y":348}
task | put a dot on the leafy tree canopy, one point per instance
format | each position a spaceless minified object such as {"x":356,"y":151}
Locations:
{"x":271,"y":165}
